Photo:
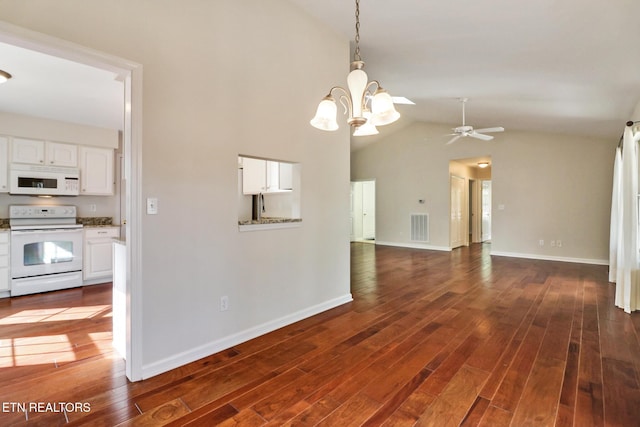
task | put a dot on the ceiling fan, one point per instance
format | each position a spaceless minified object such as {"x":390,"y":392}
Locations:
{"x":466,"y":130}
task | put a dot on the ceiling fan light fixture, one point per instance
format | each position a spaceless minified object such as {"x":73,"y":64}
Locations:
{"x":467,"y":130}
{"x":357,"y":99}
{"x":4,"y":76}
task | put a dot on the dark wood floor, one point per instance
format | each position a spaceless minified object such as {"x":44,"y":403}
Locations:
{"x":432,"y":338}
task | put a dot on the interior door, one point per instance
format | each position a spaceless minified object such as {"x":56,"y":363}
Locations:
{"x":486,"y":210}
{"x":457,"y":224}
{"x":368,"y":210}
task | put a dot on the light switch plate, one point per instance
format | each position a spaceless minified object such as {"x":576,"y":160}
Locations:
{"x":152,"y":205}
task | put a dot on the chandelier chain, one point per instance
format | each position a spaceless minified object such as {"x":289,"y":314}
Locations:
{"x":356,"y":54}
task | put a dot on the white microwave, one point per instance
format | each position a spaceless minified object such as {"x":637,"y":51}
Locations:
{"x":37,"y":180}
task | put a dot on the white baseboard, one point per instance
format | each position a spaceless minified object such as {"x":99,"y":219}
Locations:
{"x":414,"y":245}
{"x":552,"y":258}
{"x":208,"y":349}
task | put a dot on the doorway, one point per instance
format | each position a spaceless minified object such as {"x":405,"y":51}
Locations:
{"x":363,"y":211}
{"x":470,"y":201}
{"x":479,"y":210}
{"x":459,"y":207}
{"x":486,"y":211}
{"x":130,"y":74}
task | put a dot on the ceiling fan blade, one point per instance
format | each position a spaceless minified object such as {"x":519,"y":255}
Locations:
{"x":454,"y":139}
{"x":489,"y":130}
{"x":483,"y":137}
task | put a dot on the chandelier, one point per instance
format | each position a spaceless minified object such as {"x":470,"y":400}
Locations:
{"x":366,"y":109}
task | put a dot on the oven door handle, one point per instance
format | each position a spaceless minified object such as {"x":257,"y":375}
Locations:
{"x":48,"y":231}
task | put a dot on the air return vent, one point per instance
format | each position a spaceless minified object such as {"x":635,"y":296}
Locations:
{"x":419,"y":227}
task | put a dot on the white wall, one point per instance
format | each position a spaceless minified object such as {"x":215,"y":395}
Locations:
{"x":552,"y":187}
{"x":636,"y":112}
{"x":223,"y":78}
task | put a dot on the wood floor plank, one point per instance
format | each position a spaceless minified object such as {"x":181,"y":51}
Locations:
{"x":431,"y":338}
{"x":452,"y":405}
{"x":496,"y":417}
{"x":541,"y":394}
{"x":160,"y":415}
{"x":354,"y":412}
{"x":475,"y":414}
{"x":508,"y":394}
{"x":314,"y":413}
{"x":620,"y":392}
{"x":589,"y":400}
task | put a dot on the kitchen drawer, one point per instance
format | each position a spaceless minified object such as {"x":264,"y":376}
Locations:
{"x":4,"y":249}
{"x":101,"y":233}
{"x":4,"y":261}
{"x":4,"y":237}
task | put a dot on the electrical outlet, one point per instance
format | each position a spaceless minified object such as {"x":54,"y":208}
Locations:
{"x":552,"y":243}
{"x":559,"y":243}
{"x":541,"y":242}
{"x":92,"y":207}
{"x":224,"y":303}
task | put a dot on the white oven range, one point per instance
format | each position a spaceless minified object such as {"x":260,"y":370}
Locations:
{"x":46,"y":248}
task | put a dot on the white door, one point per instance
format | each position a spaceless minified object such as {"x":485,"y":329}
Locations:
{"x":457,"y":224}
{"x":369,"y":210}
{"x":486,"y":210}
{"x":363,"y":211}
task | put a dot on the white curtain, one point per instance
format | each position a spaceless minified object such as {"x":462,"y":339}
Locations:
{"x":615,"y":211}
{"x":624,"y":255}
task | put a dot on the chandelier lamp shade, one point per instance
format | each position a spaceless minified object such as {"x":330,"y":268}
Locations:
{"x":4,"y":76}
{"x":367,"y":108}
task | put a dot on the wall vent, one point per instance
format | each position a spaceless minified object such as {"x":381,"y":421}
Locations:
{"x":419,"y":227}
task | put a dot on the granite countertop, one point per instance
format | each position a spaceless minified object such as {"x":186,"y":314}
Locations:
{"x":92,"y":221}
{"x":269,"y":220}
{"x":96,"y":221}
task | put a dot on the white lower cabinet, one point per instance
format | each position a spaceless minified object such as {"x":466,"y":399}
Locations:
{"x":98,"y":254}
{"x":5,"y":274}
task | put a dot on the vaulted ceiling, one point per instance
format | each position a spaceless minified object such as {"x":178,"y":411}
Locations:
{"x":566,"y":66}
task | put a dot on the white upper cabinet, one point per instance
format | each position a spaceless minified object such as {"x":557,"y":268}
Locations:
{"x":254,"y":175}
{"x":265,"y":176}
{"x":285,"y":175}
{"x":27,"y":151}
{"x":38,"y":152}
{"x":96,"y":171}
{"x":59,"y":154}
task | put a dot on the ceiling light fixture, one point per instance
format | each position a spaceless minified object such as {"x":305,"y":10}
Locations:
{"x":357,"y":99}
{"x":4,"y":76}
{"x":483,"y":165}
